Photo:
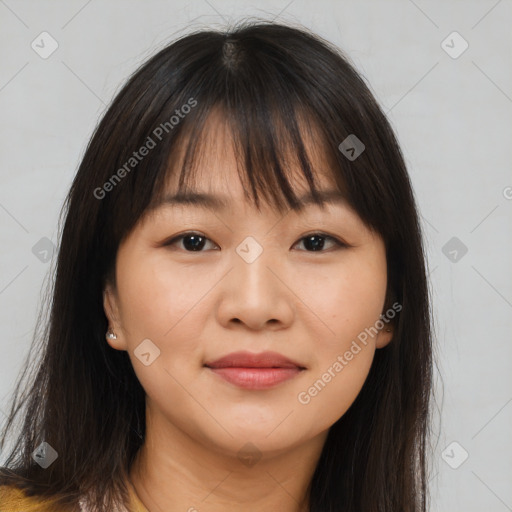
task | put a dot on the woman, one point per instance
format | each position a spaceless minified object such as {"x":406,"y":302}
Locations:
{"x":240,"y":317}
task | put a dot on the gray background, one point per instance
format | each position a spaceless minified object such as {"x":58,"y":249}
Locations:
{"x":452,"y":117}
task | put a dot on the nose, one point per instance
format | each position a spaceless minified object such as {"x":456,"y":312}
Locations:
{"x":255,"y":294}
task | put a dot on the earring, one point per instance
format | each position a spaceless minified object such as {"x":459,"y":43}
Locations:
{"x":388,"y":330}
{"x":111,"y":335}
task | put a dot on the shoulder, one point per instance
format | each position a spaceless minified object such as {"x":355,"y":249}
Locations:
{"x":13,"y":499}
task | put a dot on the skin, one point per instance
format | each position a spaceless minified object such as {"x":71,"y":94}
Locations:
{"x":198,"y":306}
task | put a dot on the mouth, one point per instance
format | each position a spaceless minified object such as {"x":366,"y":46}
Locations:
{"x":255,"y":371}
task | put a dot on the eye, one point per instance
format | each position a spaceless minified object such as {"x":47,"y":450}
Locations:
{"x":192,"y":242}
{"x":315,"y":242}
{"x":195,"y":242}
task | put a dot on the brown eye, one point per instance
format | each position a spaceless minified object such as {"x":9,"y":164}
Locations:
{"x":315,"y":242}
{"x":191,"y":242}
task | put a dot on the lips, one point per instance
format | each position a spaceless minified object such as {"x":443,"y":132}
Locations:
{"x":249,"y":360}
{"x":255,"y":371}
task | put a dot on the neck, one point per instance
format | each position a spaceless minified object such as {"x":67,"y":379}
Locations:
{"x":174,"y":472}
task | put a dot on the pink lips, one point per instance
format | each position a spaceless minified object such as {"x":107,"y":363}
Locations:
{"x":255,"y":371}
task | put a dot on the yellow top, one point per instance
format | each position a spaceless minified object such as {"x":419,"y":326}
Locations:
{"x":13,"y":499}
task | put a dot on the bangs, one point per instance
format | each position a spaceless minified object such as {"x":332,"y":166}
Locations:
{"x":275,"y":124}
{"x":276,"y":153}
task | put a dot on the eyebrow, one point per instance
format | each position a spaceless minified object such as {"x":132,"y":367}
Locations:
{"x":215,"y":202}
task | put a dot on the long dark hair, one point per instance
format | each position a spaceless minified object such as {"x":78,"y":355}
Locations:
{"x":269,"y":81}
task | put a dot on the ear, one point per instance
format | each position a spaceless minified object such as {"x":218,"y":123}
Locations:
{"x":384,"y":336}
{"x":387,"y":330}
{"x":111,"y":307}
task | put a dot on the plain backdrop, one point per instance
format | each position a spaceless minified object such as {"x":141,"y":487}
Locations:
{"x":448,"y":96}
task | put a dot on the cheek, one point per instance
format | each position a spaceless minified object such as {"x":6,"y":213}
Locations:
{"x":154,"y":297}
{"x":349,"y":298}
{"x":357,"y":303}
{"x":335,"y":387}
{"x":166,"y":307}
{"x":350,"y":301}
{"x":156,"y":305}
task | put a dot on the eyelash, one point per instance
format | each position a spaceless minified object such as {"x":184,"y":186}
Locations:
{"x":338,"y":243}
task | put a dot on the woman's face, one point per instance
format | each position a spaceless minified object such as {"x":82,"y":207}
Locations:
{"x":254,"y":284}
